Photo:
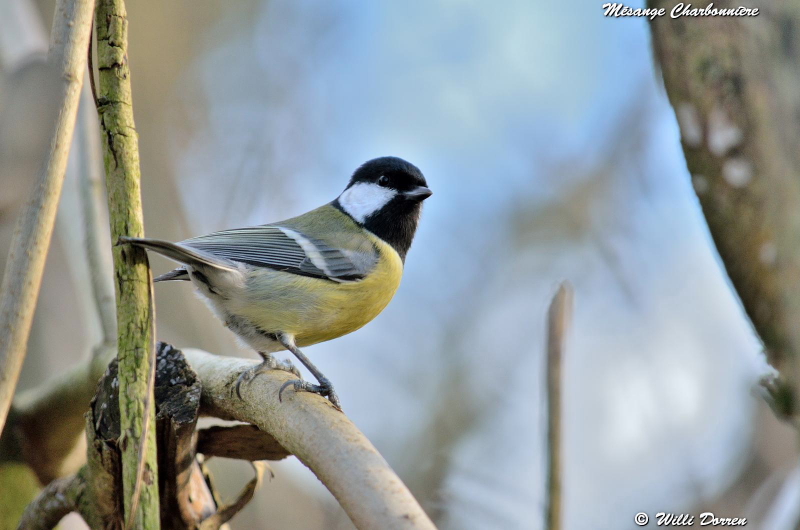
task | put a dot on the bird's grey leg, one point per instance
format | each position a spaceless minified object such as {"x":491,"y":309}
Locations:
{"x":269,"y":363}
{"x":324,"y":388}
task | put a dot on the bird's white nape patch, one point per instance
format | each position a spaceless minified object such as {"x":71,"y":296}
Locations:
{"x":365,"y":198}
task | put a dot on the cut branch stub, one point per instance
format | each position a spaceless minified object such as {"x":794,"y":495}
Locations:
{"x":186,"y":496}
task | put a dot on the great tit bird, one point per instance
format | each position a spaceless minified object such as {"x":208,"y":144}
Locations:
{"x":308,"y":279}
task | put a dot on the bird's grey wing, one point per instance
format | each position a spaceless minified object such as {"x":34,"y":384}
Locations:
{"x":287,"y":249}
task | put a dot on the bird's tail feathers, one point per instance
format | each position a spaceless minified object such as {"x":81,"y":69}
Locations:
{"x":177,"y":275}
{"x":180,"y":253}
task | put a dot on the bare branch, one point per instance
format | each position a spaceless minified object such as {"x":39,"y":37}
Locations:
{"x":25,"y":266}
{"x":243,"y":442}
{"x":324,"y":439}
{"x":95,"y":220}
{"x":226,"y":513}
{"x":558,"y":321}
{"x":50,"y":448}
{"x":82,"y":227}
{"x":304,"y":424}
{"x":56,"y":500}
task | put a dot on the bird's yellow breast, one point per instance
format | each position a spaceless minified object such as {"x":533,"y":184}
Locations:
{"x":316,"y":310}
{"x":349,"y":306}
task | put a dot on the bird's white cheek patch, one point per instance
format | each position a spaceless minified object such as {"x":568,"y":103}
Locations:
{"x":365,"y":198}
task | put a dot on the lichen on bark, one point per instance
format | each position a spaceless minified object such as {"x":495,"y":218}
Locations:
{"x":733,"y":83}
{"x":135,"y":310}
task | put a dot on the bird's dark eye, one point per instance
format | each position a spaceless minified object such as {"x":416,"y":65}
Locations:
{"x":383,"y":181}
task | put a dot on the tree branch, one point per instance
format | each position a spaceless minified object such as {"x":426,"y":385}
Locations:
{"x":733,"y":84}
{"x":95,"y":239}
{"x":558,"y":321}
{"x":242,"y":442}
{"x":134,"y":286}
{"x":324,"y":439}
{"x":83,"y":228}
{"x":304,"y":424}
{"x":56,"y":500}
{"x":44,"y":444}
{"x":25,"y":266}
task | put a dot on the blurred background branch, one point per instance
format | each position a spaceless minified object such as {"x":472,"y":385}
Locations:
{"x":94,"y":230}
{"x":49,"y":447}
{"x":558,"y":321}
{"x":32,"y":444}
{"x":29,"y":247}
{"x":733,"y":84}
{"x":56,"y":500}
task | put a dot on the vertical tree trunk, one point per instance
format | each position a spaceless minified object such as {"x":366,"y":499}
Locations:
{"x":135,"y":309}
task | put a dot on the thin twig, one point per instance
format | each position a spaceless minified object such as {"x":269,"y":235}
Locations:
{"x":90,"y":62}
{"x":226,"y":513}
{"x":558,"y":321}
{"x":67,"y":395}
{"x":31,"y":242}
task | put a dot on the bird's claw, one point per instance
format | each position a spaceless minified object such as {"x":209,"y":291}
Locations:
{"x":244,"y":376}
{"x":269,"y":364}
{"x":324,"y":389}
{"x":287,"y":366}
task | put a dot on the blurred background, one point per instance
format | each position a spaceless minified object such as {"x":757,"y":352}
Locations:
{"x":553,"y":154}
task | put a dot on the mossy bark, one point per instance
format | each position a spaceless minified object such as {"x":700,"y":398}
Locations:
{"x":733,"y":84}
{"x":135,"y":310}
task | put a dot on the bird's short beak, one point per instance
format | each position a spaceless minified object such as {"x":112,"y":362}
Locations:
{"x":420,"y":193}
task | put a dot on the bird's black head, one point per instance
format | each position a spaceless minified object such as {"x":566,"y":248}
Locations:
{"x":385,"y":196}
